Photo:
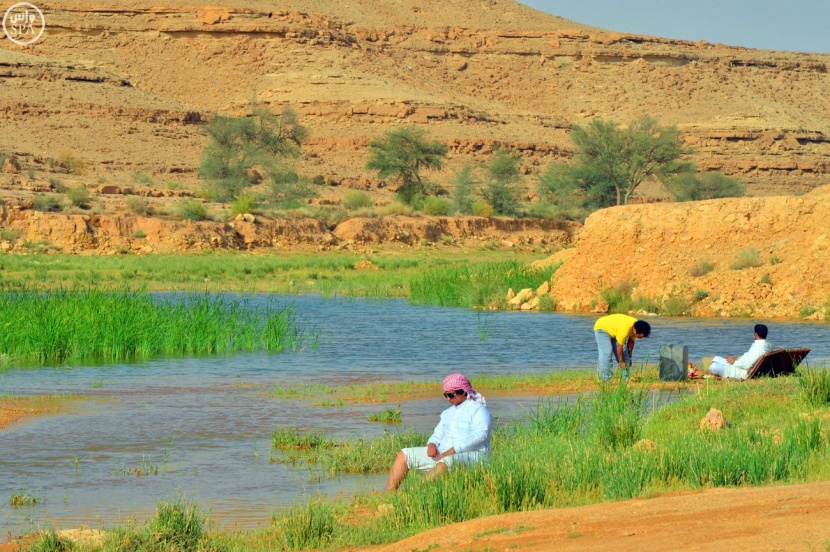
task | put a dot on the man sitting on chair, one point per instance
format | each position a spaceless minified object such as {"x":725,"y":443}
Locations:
{"x":730,"y":368}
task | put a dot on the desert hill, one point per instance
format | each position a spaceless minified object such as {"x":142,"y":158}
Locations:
{"x":114,"y":97}
{"x":122,"y":87}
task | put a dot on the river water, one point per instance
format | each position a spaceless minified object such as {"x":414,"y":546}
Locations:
{"x":206,"y":423}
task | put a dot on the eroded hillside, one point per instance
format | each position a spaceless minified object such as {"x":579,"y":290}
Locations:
{"x":763,"y":257}
{"x":125,"y":88}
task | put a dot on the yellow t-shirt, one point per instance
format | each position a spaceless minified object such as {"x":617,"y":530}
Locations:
{"x":618,"y":326}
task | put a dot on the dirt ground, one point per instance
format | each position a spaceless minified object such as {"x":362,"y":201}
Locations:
{"x":795,"y":517}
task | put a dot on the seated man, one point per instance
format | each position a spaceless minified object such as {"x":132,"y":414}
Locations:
{"x":730,"y":368}
{"x":462,"y":435}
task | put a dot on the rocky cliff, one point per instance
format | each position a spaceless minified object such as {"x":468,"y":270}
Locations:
{"x":123,"y":89}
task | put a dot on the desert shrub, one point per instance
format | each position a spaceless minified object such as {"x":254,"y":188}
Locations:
{"x":700,"y":295}
{"x":775,"y":259}
{"x":138,"y":205}
{"x":694,"y":187}
{"x":57,"y":185}
{"x":192,"y":209}
{"x":357,"y":199}
{"x":482,"y":209}
{"x":766,"y":279}
{"x":746,"y":258}
{"x":618,"y":296}
{"x":676,"y":306}
{"x":9,"y":234}
{"x":244,"y":203}
{"x":72,"y":163}
{"x":139,"y":233}
{"x":463,"y":190}
{"x":501,"y":185}
{"x":437,"y":206}
{"x":173,"y":185}
{"x":575,"y":191}
{"x":394,"y":208}
{"x":287,"y":188}
{"x":47,"y":202}
{"x":141,"y":177}
{"x":701,"y":269}
{"x":79,"y":196}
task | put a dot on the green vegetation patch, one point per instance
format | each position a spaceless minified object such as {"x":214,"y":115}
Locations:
{"x":482,"y":285}
{"x":47,"y":327}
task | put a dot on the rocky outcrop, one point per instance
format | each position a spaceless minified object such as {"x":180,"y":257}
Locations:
{"x":104,"y":234}
{"x":761,"y":257}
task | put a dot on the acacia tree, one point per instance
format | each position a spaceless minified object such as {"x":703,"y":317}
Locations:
{"x":501,"y":185}
{"x":401,"y":154}
{"x":244,"y":150}
{"x":627,"y":157}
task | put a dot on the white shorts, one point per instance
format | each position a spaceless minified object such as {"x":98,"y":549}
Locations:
{"x":417,"y":459}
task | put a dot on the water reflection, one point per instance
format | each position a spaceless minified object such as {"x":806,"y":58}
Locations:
{"x":205,"y":423}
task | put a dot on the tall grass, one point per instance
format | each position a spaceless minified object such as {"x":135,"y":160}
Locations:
{"x":815,"y":386}
{"x":53,"y":326}
{"x":477,"y":285}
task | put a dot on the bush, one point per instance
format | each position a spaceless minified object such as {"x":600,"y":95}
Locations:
{"x":394,"y":208}
{"x":57,"y":185}
{"x":694,"y":187}
{"x":747,"y":258}
{"x":192,"y":209}
{"x":244,"y":203}
{"x":700,"y":295}
{"x":501,"y":187}
{"x":47,"y":202}
{"x":482,"y":209}
{"x":437,"y":206}
{"x":72,"y":163}
{"x":463,"y":190}
{"x":9,"y":234}
{"x":356,"y":199}
{"x":138,"y":205}
{"x":141,"y":177}
{"x":701,"y":269}
{"x":79,"y":197}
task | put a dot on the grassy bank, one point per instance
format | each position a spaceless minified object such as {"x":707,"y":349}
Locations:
{"x":607,"y":446}
{"x":382,"y":274}
{"x":479,"y":285}
{"x":55,"y":326}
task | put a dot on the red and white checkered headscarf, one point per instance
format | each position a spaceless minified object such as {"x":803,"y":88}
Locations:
{"x":460,"y":381}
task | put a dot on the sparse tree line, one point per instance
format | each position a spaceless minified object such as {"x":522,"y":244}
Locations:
{"x":610,"y":163}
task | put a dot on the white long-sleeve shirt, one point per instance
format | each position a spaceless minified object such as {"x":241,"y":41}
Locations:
{"x":465,"y":427}
{"x":759,"y":348}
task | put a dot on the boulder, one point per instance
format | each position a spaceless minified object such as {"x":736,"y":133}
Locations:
{"x":713,"y":420}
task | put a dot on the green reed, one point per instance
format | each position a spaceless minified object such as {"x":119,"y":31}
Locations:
{"x":815,"y":385}
{"x":479,"y":285}
{"x":60,"y":325}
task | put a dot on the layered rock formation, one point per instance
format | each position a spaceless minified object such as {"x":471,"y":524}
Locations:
{"x":125,"y":87}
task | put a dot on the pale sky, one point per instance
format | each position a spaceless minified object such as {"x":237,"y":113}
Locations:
{"x":794,"y":25}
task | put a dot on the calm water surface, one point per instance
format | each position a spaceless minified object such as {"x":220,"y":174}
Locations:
{"x":206,"y":423}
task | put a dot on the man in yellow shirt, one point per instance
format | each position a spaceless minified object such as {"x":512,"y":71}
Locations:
{"x":615,"y":335}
